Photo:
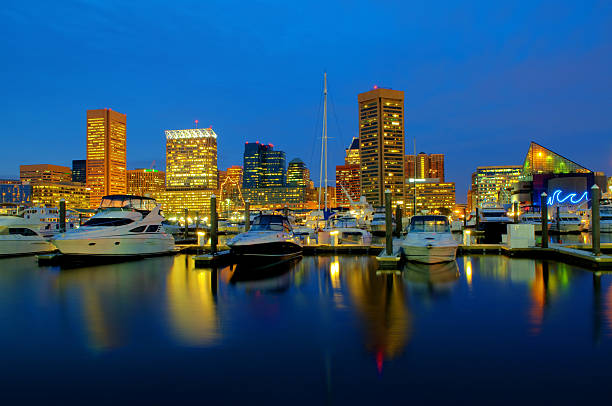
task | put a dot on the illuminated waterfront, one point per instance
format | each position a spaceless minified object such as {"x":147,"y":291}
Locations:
{"x":328,"y":329}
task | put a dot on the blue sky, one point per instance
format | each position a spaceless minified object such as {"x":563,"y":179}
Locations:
{"x":482,"y":78}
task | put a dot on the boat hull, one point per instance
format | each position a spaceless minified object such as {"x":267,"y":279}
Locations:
{"x":24,"y":246}
{"x":430,"y":254}
{"x":266,"y":253}
{"x":118,"y":246}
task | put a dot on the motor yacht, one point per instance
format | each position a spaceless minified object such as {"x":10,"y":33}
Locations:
{"x":605,"y":219}
{"x":15,"y":239}
{"x":124,"y":225}
{"x":532,"y":218}
{"x":567,"y":223}
{"x":493,"y":220}
{"x":43,"y":220}
{"x":269,"y":241}
{"x":378,"y":223}
{"x":429,"y":240}
{"x":347,"y":230}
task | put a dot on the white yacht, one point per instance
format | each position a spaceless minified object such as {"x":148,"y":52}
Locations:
{"x":124,"y":225}
{"x":429,"y":240}
{"x":378,"y":223}
{"x":269,"y":241}
{"x":15,"y":239}
{"x":43,"y":220}
{"x":532,"y":218}
{"x":346,"y":228}
{"x":605,"y":219}
{"x":567,"y":223}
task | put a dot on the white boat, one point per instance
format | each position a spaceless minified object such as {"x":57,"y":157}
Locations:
{"x":124,"y":226}
{"x":269,"y":241}
{"x":347,"y":230}
{"x":532,"y":218}
{"x":567,"y":223}
{"x":429,"y":240}
{"x":44,"y":220}
{"x":15,"y":239}
{"x":378,"y":224}
{"x":605,"y":219}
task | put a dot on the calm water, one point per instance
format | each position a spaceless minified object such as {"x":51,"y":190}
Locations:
{"x":329,"y":330}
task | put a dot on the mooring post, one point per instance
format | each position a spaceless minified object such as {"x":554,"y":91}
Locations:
{"x":186,"y":230}
{"x":398,"y":221}
{"x":62,"y":215}
{"x":544,"y":209}
{"x":477,"y":217}
{"x":80,"y":219}
{"x":595,"y":218}
{"x":197,"y":223}
{"x":464,"y":219}
{"x":558,"y":219}
{"x":213,"y":224}
{"x":247,"y":216}
{"x":388,"y":223}
{"x":515,"y":209}
{"x":285,"y":211}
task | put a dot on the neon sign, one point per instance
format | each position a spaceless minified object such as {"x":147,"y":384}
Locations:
{"x":571,"y":198}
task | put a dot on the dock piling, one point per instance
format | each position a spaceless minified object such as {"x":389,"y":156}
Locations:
{"x":213,"y":225}
{"x":197,"y":222}
{"x":388,"y":223}
{"x":595,"y":219}
{"x":544,"y":209}
{"x":62,"y":215}
{"x":186,"y":231}
{"x":398,"y":221}
{"x":285,"y":211}
{"x":515,"y":209}
{"x":247,"y":215}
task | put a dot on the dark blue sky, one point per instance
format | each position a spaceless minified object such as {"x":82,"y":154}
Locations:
{"x":482,"y":78}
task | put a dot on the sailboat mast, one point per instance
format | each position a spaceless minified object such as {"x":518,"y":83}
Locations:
{"x":321,"y":162}
{"x":415,"y":176}
{"x":325,"y":132}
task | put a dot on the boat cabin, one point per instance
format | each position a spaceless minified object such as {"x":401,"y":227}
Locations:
{"x":128,"y":202}
{"x":271,"y":222}
{"x":429,"y":224}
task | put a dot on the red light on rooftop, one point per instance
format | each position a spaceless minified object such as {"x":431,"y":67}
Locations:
{"x":271,"y":145}
{"x":375,"y":87}
{"x":256,"y":142}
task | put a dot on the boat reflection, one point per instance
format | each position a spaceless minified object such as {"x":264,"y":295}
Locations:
{"x":275,"y":278}
{"x":432,"y":277}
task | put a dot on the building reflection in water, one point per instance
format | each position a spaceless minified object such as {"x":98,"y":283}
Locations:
{"x":192,"y":304}
{"x":467,"y":265}
{"x":381,"y":304}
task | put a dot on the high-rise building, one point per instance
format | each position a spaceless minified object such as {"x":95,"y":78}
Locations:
{"x":432,"y":196}
{"x":427,"y":166}
{"x":106,"y":154}
{"x":191,"y":170}
{"x":297,"y":173}
{"x":50,"y":193}
{"x":146,"y":182}
{"x":274,"y":169}
{"x":381,"y":145}
{"x":79,"y":171}
{"x":44,"y":173}
{"x":352,"y":153}
{"x":494,"y":184}
{"x":263,"y":166}
{"x":347,"y":182}
{"x":234,"y":173}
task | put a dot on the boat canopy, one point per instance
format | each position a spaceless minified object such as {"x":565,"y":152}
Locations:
{"x":128,"y":202}
{"x":429,"y":224}
{"x":271,"y":222}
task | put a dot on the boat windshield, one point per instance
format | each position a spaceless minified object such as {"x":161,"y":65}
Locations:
{"x":494,"y":213}
{"x":107,"y":222}
{"x":127,"y":202}
{"x":429,"y":224}
{"x":270,"y":223}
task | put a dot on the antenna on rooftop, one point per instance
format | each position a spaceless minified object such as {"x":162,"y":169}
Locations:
{"x":196,"y":123}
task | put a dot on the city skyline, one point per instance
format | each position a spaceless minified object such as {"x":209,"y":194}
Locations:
{"x":468,"y":92}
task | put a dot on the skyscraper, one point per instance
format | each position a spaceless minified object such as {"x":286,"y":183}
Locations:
{"x":494,"y":184}
{"x":79,"y":170}
{"x":274,"y":169}
{"x":381,"y":145}
{"x":352,"y":153}
{"x":146,"y":182}
{"x":297,"y":173}
{"x":427,"y":166}
{"x":347,"y":182}
{"x":44,"y":173}
{"x":263,"y":166}
{"x":191,"y":169}
{"x":106,"y":154}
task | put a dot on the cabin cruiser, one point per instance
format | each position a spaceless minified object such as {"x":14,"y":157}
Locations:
{"x":493,"y":220}
{"x":124,"y":225}
{"x":532,"y":218}
{"x":378,"y":223}
{"x":43,"y":220}
{"x":605,"y":219}
{"x":16,"y":239}
{"x":346,"y":228}
{"x":429,"y":240}
{"x":567,"y":223}
{"x":269,"y":241}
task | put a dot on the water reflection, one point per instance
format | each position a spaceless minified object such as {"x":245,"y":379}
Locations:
{"x":431,"y":278}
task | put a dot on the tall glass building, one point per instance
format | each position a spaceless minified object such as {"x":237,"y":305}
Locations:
{"x":79,"y":170}
{"x":297,"y":173}
{"x":263,"y":167}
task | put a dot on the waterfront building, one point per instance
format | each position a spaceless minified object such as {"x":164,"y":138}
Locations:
{"x":544,"y":170}
{"x":146,"y":182}
{"x":297,"y":173}
{"x":347,"y":182}
{"x":352,"y":153}
{"x":427,"y":166}
{"x":191,"y":170}
{"x":44,"y":173}
{"x":294,"y":197}
{"x":274,"y":169}
{"x":106,"y":154}
{"x":494,"y":184}
{"x":13,"y":191}
{"x":381,"y":145}
{"x":79,"y":171}
{"x":432,"y":196}
{"x":75,"y":194}
{"x":253,"y":164}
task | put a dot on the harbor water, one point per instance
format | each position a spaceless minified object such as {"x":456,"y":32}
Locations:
{"x":322,"y":330}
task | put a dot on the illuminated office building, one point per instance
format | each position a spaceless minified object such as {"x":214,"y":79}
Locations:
{"x":265,"y":176}
{"x":146,"y":182}
{"x":234,"y":173}
{"x":352,"y":153}
{"x":13,"y":191}
{"x":381,"y":145}
{"x":79,"y":171}
{"x":191,"y":170}
{"x":432,"y":196}
{"x":253,"y":159}
{"x":106,"y":154}
{"x":44,"y":173}
{"x":294,"y":197}
{"x":427,"y":166}
{"x":75,"y":194}
{"x":297,"y":173}
{"x":494,"y":184}
{"x":274,"y":169}
{"x":347,"y":182}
